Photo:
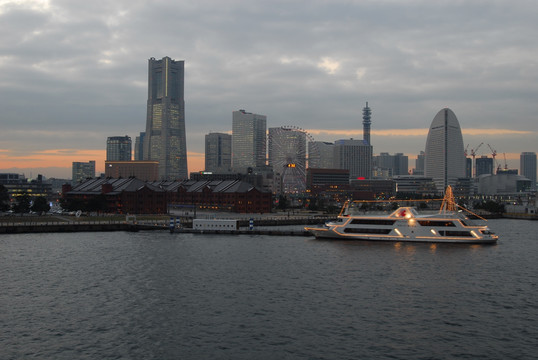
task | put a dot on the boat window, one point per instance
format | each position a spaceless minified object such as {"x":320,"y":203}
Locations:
{"x":372,"y":222}
{"x":435,"y":223}
{"x":367,"y":231}
{"x":455,"y":233}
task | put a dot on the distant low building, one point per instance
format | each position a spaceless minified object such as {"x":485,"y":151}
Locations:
{"x":503,"y":183}
{"x":411,"y":184}
{"x":18,"y":184}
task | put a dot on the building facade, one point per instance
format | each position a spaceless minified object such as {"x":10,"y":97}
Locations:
{"x":165,"y":139}
{"x":527,"y":167}
{"x":82,"y":171}
{"x":444,"y":153}
{"x":143,"y":170}
{"x":118,"y":148}
{"x":218,"y":152}
{"x":249,"y":133}
{"x":355,"y":156}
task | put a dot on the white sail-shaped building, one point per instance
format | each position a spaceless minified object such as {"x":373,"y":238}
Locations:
{"x":444,"y":159}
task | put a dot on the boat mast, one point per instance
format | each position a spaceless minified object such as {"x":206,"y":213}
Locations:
{"x":449,"y":203}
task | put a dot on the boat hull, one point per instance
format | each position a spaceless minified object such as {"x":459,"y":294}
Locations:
{"x":327,"y":233}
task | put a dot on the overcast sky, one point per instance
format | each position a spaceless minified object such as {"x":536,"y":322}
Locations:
{"x":73,"y":72}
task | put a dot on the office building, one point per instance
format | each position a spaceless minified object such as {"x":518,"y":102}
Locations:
{"x":218,"y":152}
{"x":118,"y":148}
{"x":248,"y":141}
{"x":165,"y":139}
{"x":320,"y":155}
{"x":419,"y":164}
{"x":355,"y":156}
{"x":484,"y":165}
{"x":396,"y":164}
{"x":82,"y":171}
{"x":444,"y":155}
{"x":527,"y":167}
{"x":139,"y":147}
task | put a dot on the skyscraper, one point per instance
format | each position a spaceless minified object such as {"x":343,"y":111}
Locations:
{"x":165,"y":139}
{"x":527,"y":168}
{"x":248,"y":140}
{"x":444,"y":155}
{"x":218,"y":152}
{"x":419,"y":164}
{"x":118,"y":148}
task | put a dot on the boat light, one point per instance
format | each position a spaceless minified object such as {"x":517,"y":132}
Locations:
{"x":433,"y":232}
{"x":398,"y":232}
{"x":412,"y":222}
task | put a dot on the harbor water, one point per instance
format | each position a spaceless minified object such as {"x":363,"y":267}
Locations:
{"x":156,"y":295}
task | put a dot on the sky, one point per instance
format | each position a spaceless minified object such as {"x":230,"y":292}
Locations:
{"x":73,"y":73}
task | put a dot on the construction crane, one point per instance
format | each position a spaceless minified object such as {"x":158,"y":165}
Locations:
{"x":493,"y":154}
{"x":505,"y":164}
{"x":473,"y":154}
{"x":465,"y":151}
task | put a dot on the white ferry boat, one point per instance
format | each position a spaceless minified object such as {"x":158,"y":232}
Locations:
{"x":406,"y":224}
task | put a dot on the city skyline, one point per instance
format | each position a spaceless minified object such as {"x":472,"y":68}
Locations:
{"x":61,"y":100}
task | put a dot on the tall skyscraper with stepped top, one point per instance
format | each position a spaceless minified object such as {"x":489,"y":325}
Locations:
{"x":165,"y":139}
{"x":444,"y":156}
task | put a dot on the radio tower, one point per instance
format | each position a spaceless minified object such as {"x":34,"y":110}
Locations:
{"x":366,"y":122}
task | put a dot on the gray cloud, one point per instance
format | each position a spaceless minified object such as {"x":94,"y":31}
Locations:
{"x":75,"y":66}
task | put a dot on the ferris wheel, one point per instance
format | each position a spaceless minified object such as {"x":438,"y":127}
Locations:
{"x":290,"y":151}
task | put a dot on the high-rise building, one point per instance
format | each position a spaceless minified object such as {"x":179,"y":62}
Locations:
{"x":218,"y":152}
{"x":397,"y":164}
{"x":249,"y":133}
{"x":287,"y":157}
{"x":139,"y":147}
{"x":355,"y":156}
{"x":419,"y":164}
{"x":83,"y":171}
{"x":444,"y":155}
{"x":118,"y":148}
{"x":165,"y":139}
{"x":527,"y":166}
{"x":320,"y":155}
{"x":484,"y":165}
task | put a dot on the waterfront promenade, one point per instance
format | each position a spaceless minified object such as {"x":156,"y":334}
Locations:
{"x":47,"y":223}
